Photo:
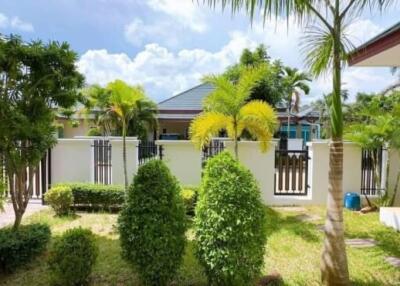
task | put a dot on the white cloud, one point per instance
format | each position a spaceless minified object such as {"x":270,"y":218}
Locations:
{"x":184,"y":12}
{"x":362,"y":30}
{"x":160,"y":70}
{"x":15,"y":23}
{"x":138,"y":33}
{"x":18,"y":24}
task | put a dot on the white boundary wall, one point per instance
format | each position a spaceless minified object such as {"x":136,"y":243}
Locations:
{"x":183,"y":159}
{"x":72,"y":160}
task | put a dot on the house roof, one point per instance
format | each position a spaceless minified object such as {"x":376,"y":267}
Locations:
{"x":191,"y":99}
{"x":382,"y":50}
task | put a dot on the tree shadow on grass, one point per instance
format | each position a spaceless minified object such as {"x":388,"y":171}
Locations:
{"x":276,"y":222}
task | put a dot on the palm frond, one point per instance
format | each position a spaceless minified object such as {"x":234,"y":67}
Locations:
{"x":221,"y":98}
{"x":206,"y":126}
{"x":260,"y":120}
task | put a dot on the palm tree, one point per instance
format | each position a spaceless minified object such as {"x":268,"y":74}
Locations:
{"x":293,"y":81}
{"x":326,"y":46}
{"x":123,"y":103}
{"x":227,"y":108}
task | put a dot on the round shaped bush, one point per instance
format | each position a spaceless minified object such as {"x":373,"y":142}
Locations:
{"x":72,"y":257}
{"x":229,"y":223}
{"x":60,"y":198}
{"x":152,"y":224}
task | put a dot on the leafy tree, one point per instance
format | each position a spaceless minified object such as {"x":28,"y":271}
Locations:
{"x":326,"y":46}
{"x":376,"y":124}
{"x":293,"y":81}
{"x":227,"y":108}
{"x":120,"y":109}
{"x":229,"y":223}
{"x":35,"y":79}
{"x":269,"y":87}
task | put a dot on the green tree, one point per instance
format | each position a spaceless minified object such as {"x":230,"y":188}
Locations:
{"x":227,"y":108}
{"x":326,"y":46}
{"x":269,"y":87}
{"x":293,"y":81}
{"x":35,"y":79}
{"x":123,"y":103}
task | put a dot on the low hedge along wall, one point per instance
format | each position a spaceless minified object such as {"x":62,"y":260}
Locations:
{"x":97,"y":196}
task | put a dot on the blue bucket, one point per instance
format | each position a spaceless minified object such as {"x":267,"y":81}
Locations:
{"x":352,"y":201}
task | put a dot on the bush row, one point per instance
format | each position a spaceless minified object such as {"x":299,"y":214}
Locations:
{"x":18,"y":247}
{"x":104,"y":197}
{"x":96,"y":196}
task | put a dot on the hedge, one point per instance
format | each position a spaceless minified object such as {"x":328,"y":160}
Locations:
{"x":18,"y":247}
{"x":97,"y":196}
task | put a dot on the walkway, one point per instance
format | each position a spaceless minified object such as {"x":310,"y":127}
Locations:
{"x":7,"y":217}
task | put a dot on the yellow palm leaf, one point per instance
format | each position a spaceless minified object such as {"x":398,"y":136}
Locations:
{"x":206,"y":126}
{"x":259,"y":119}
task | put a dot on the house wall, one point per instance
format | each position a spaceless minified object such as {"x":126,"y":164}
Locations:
{"x":179,"y":127}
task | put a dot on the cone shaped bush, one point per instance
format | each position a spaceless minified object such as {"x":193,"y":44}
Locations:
{"x":230,"y":232}
{"x":152,"y":224}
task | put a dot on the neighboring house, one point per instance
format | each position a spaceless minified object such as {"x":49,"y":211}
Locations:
{"x":176,"y":113}
{"x":77,"y":125}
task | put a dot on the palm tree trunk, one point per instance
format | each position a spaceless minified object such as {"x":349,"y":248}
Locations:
{"x":124,"y":153}
{"x":334,"y":269}
{"x":235,"y":140}
{"x":288,"y":121}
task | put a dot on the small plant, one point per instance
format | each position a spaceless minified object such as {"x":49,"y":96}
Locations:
{"x":72,"y":257}
{"x":60,"y":199}
{"x":18,"y":247}
{"x":229,"y":223}
{"x":152,"y":224}
{"x":189,"y":196}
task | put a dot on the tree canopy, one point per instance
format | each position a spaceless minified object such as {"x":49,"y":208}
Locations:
{"x":36,"y":79}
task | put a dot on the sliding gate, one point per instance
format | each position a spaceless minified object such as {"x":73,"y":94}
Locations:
{"x":291,"y":172}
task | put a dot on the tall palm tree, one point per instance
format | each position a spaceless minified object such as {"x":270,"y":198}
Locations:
{"x":325,"y":45}
{"x":123,"y":103}
{"x":294,"y":80}
{"x":227,"y":108}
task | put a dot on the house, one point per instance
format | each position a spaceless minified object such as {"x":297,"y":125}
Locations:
{"x":176,"y":113}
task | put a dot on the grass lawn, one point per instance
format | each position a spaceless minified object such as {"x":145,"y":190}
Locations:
{"x":293,"y":249}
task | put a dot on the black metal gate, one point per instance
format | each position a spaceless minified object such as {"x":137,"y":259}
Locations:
{"x":369,"y":185}
{"x":149,"y":150}
{"x":214,"y":148}
{"x":291,"y":172}
{"x":102,"y":162}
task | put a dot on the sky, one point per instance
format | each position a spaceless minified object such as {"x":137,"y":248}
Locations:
{"x":169,"y":45}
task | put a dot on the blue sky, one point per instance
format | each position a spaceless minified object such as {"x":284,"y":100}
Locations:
{"x":168,"y":45}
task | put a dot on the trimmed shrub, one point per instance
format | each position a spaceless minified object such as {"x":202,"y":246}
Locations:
{"x":60,"y":199}
{"x":18,"y":247}
{"x":189,"y":196}
{"x":72,"y":257}
{"x":229,"y":223}
{"x":97,"y":196}
{"x":152,"y":224}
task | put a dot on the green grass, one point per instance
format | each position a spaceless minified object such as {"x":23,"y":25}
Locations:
{"x":293,"y":250}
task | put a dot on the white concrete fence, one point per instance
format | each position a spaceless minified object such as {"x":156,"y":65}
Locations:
{"x":72,"y":161}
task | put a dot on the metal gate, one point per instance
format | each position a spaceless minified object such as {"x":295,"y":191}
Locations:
{"x":41,"y":177}
{"x":291,"y":172}
{"x":214,"y":148}
{"x":102,"y":162}
{"x":149,"y":150}
{"x":369,"y":186}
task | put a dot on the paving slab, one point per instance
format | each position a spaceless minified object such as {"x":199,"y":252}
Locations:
{"x":361,"y":242}
{"x":394,"y":261}
{"x":7,"y":217}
